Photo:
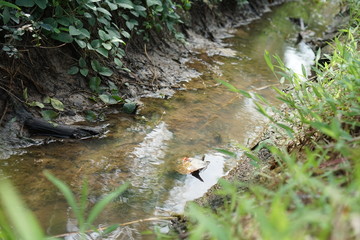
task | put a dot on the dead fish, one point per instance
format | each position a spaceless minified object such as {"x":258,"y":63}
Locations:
{"x":192,"y":166}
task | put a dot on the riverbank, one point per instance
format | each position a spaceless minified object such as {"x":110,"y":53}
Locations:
{"x":301,"y":178}
{"x":246,"y":171}
{"x":37,"y":81}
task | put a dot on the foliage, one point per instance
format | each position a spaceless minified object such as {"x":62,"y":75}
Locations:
{"x":17,"y":222}
{"x":239,"y":3}
{"x":79,"y":208}
{"x":14,"y":215}
{"x":315,"y":194}
{"x":98,"y":29}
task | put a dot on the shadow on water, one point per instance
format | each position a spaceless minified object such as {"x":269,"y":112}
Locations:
{"x":146,"y":149}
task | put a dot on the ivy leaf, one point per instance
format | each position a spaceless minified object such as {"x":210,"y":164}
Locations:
{"x":107,"y":99}
{"x":6,"y":15}
{"x":113,"y":88}
{"x":65,"y":21}
{"x":84,"y":33}
{"x":81,"y":43}
{"x":49,"y":115}
{"x":84,"y":71}
{"x":62,"y":37}
{"x":139,"y":8}
{"x":103,"y":51}
{"x":90,"y":116}
{"x":36,"y":104}
{"x":96,"y":65}
{"x":112,"y":6}
{"x":47,"y":27}
{"x":104,"y":11}
{"x":103,"y":20}
{"x":118,"y":62}
{"x":58,"y":105}
{"x":74,"y":31}
{"x":107,"y":46}
{"x":126,"y":4}
{"x":103,"y":35}
{"x":106,"y":72}
{"x":94,"y":84}
{"x":25,"y":3}
{"x":150,"y":3}
{"x":129,"y":107}
{"x":46,"y":100}
{"x":41,"y":3}
{"x":82,"y":62}
{"x":73,"y":70}
{"x":96,"y":43}
{"x":131,"y":24}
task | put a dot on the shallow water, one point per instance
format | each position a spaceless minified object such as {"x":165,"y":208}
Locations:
{"x":145,"y":149}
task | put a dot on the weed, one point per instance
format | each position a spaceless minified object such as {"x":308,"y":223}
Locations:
{"x":18,"y":222}
{"x":316,"y":194}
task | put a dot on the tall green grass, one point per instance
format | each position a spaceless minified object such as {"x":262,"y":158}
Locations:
{"x":18,"y":222}
{"x":316,"y":193}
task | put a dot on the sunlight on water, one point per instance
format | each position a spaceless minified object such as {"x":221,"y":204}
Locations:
{"x":149,"y":154}
{"x":192,"y":188}
{"x":295,"y":58}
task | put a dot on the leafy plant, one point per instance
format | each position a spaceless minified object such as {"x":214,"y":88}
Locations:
{"x":16,"y":221}
{"x":99,"y":30}
{"x":79,"y":208}
{"x":314,"y":193}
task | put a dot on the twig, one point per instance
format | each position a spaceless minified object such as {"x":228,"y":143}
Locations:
{"x":5,"y":110}
{"x":13,"y":95}
{"x":58,"y":46}
{"x":34,"y":46}
{"x":267,"y":86}
{"x":120,"y":225}
{"x":153,"y":65}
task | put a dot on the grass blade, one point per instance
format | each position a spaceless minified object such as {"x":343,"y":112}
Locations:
{"x":268,"y":60}
{"x":226,"y":152}
{"x":228,"y":85}
{"x":99,"y":206}
{"x":65,"y":190}
{"x":24,"y":222}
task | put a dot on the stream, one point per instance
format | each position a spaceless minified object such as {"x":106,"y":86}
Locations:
{"x":145,"y":149}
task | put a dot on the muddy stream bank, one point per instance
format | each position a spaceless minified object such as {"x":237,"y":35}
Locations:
{"x":144,"y":149}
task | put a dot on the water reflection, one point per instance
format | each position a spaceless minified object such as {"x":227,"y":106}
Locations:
{"x":148,"y":155}
{"x":298,"y":58}
{"x":192,"y":188}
